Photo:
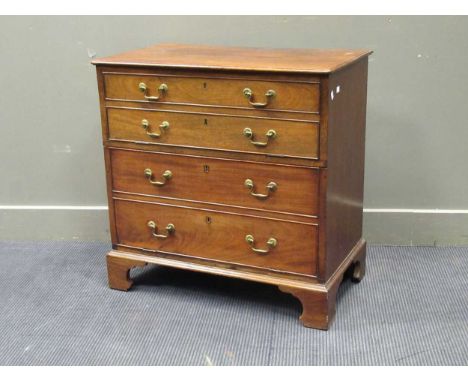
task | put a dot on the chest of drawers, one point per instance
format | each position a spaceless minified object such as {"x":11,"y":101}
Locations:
{"x":245,"y":163}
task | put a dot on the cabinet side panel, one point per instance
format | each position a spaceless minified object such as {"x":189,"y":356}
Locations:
{"x":346,"y":141}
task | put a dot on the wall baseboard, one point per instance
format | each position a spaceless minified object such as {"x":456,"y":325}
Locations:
{"x":54,"y":224}
{"x":433,"y":227}
{"x":53,"y":208}
{"x":423,"y":228}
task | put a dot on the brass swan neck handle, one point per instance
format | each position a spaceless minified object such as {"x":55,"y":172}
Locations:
{"x":162,"y":89}
{"x":271,"y":134}
{"x":167,"y":175}
{"x":271,"y":187}
{"x":146,"y":125}
{"x":170,"y":229}
{"x":248,"y":93}
{"x":271,"y":243}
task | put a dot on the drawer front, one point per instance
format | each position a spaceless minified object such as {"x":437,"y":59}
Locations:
{"x":218,"y":181}
{"x":291,"y":96}
{"x":248,"y":135}
{"x":219,"y":236}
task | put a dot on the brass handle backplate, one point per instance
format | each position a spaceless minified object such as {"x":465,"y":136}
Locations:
{"x":248,"y":93}
{"x":271,"y":134}
{"x":167,"y":175}
{"x":249,"y":184}
{"x":146,"y":125}
{"x":170,"y":229}
{"x":271,"y":243}
{"x":162,"y":89}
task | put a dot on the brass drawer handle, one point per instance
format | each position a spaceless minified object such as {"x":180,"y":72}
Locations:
{"x":271,"y":243}
{"x":248,"y":93}
{"x":170,"y":228}
{"x":272,"y":186}
{"x":167,"y":175}
{"x":271,"y":134}
{"x":163,"y":126}
{"x":163,"y":88}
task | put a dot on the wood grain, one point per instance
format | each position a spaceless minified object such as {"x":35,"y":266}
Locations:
{"x":225,"y":133}
{"x":118,"y":271}
{"x":236,"y":58}
{"x":319,"y":305}
{"x":345,"y":184}
{"x":213,"y":91}
{"x":219,"y":236}
{"x":108,"y":168}
{"x":258,"y":212}
{"x":217,"y":181}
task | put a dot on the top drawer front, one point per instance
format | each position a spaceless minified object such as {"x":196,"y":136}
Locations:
{"x":288,"y":96}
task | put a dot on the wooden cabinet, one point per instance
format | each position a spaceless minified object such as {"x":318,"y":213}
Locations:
{"x":245,"y":163}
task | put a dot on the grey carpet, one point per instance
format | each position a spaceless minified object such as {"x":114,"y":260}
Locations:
{"x":56,"y":309}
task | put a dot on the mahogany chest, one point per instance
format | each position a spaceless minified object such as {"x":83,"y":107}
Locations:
{"x":240,"y":162}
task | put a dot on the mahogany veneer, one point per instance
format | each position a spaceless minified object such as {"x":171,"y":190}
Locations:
{"x":240,"y":162}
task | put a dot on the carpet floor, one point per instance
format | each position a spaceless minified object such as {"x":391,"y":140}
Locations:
{"x":56,"y":309}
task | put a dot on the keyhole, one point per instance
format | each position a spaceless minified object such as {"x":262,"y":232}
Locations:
{"x":204,"y":85}
{"x":206,"y":168}
{"x":206,"y":121}
{"x":208,"y":220}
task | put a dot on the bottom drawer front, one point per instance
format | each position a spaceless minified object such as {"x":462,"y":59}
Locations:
{"x":283,"y":245}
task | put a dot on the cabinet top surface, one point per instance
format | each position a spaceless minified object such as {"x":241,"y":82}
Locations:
{"x":235,"y":58}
